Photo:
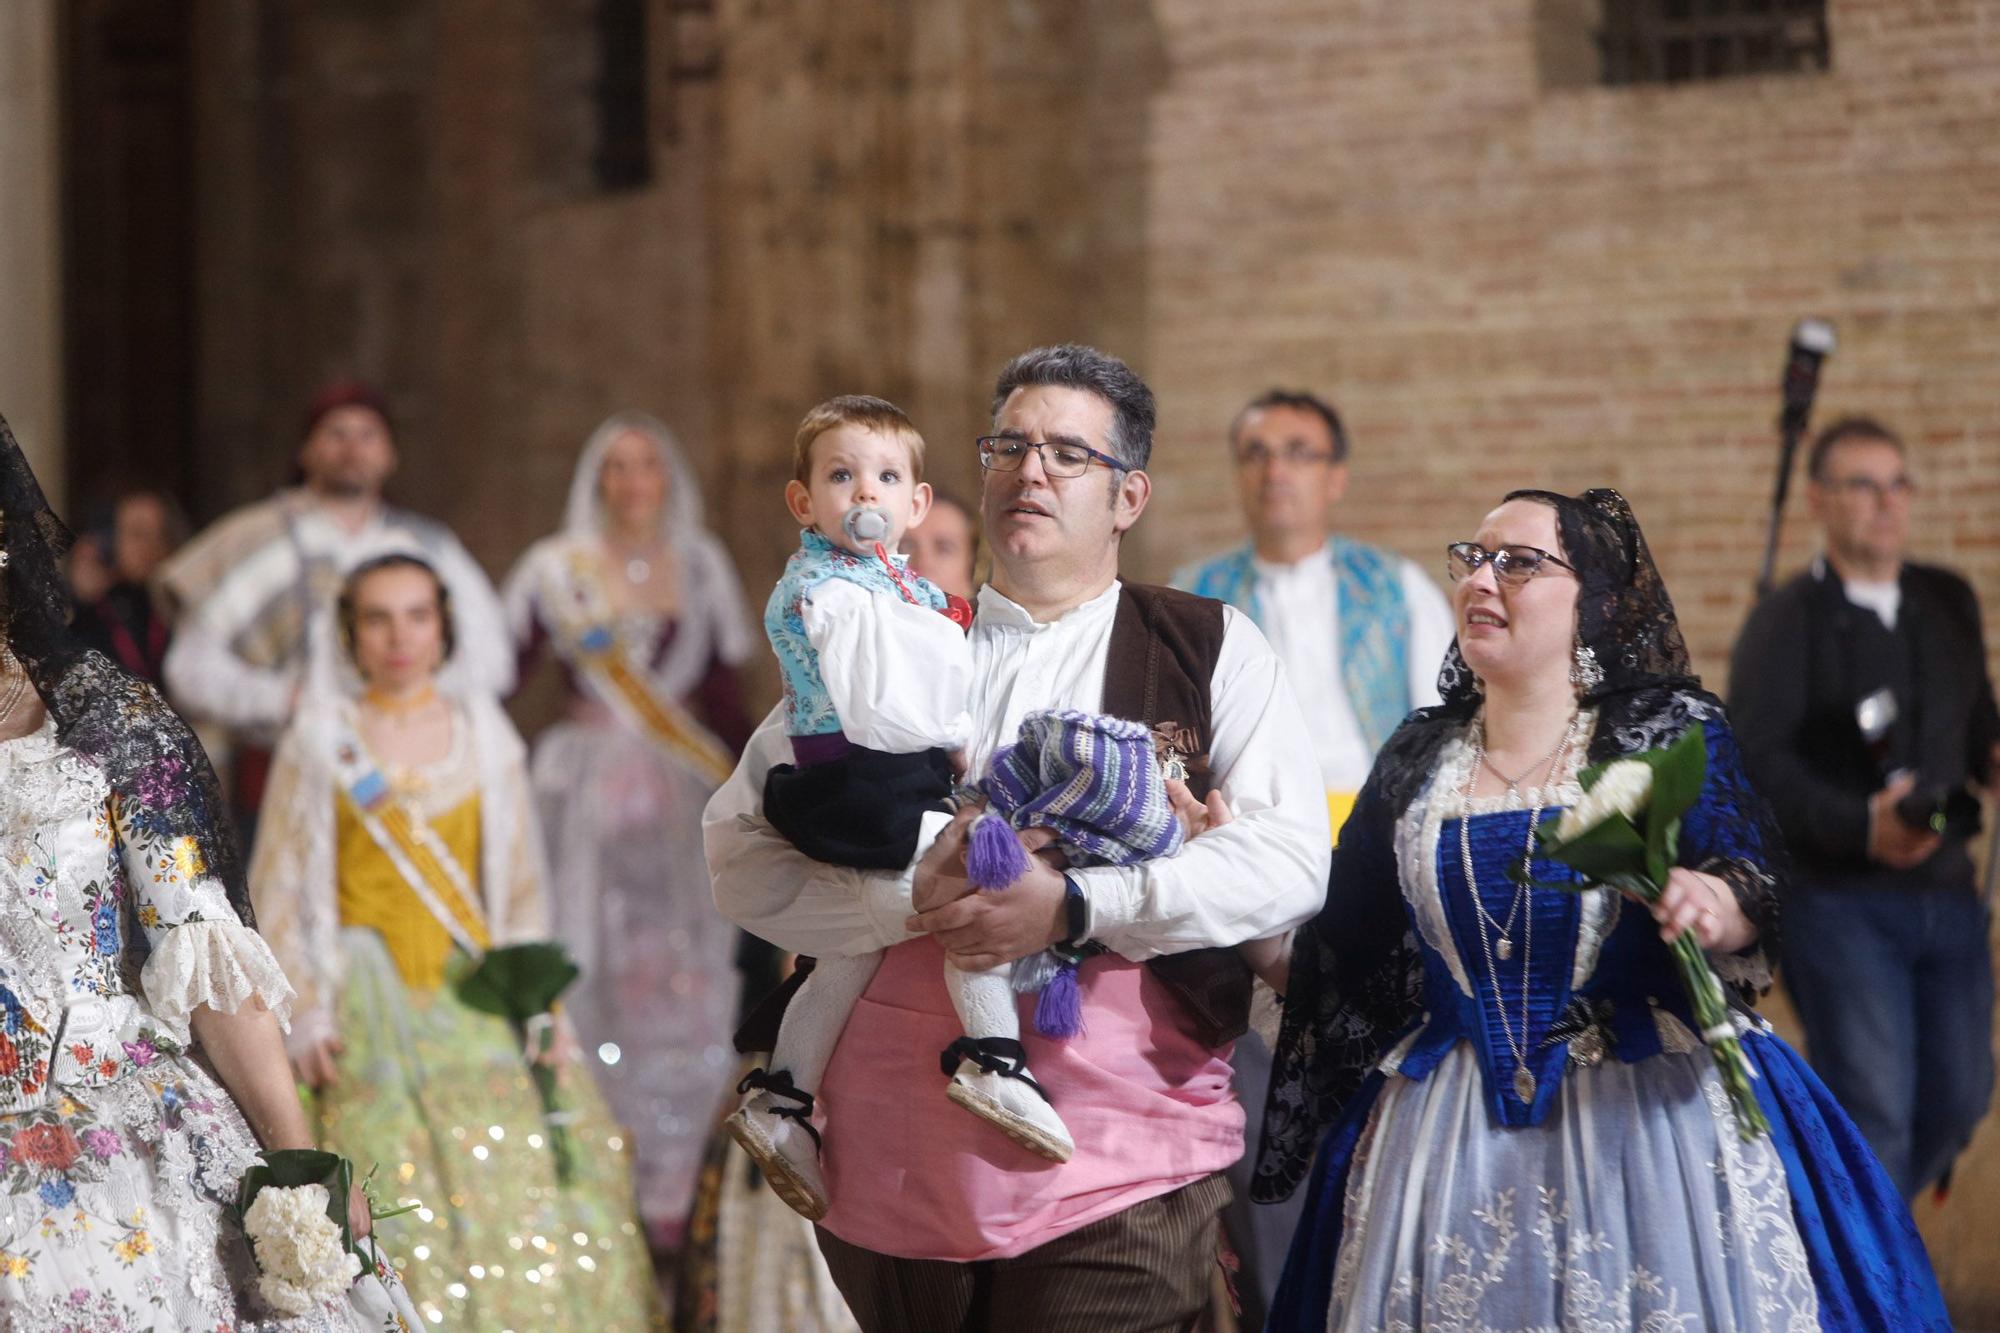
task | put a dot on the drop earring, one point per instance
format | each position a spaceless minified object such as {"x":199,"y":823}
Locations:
{"x":1584,"y":671}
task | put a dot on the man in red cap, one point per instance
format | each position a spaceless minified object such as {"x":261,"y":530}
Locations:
{"x":249,"y":590}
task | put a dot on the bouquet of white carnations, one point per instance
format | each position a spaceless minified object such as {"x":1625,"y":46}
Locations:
{"x":301,"y":1261}
{"x":293,"y":1207}
{"x":1625,"y":833}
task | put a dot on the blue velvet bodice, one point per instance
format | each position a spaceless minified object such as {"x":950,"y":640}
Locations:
{"x":1633,"y":973}
{"x":1611,"y":1013}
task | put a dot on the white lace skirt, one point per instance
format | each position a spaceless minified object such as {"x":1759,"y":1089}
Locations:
{"x":657,"y":1001}
{"x":1634,"y":1205}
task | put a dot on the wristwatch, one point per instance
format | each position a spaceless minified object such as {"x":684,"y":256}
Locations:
{"x":1076,"y":917}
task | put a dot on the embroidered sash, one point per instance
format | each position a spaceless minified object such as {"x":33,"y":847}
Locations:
{"x":1374,"y":626}
{"x":422,"y":858}
{"x":1374,"y":638}
{"x":588,"y":626}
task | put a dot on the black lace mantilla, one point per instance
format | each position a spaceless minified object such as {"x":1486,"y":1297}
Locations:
{"x":156,"y":768}
{"x":1356,"y":973}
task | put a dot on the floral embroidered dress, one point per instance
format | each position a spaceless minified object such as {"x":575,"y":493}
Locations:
{"x":119,"y":1155}
{"x":653,"y":719}
{"x":434,"y":1094}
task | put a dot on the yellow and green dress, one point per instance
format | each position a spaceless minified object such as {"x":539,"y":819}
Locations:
{"x":435,"y":1095}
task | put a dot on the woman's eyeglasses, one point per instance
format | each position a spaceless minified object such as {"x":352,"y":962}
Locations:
{"x":1060,"y":458}
{"x":1512,"y":565}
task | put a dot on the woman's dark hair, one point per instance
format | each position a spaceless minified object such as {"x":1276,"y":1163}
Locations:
{"x":151,"y":759}
{"x":344,"y":608}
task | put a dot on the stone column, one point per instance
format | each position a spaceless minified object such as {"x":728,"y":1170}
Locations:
{"x":30,"y":247}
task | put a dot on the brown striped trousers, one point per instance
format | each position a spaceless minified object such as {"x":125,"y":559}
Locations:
{"x":1145,"y":1270}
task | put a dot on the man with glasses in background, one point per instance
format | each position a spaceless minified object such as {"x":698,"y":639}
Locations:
{"x":1860,"y":696}
{"x":935,"y":1223}
{"x":1361,"y":632}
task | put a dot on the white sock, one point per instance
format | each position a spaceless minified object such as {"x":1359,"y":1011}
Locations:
{"x":816,"y":1016}
{"x":985,"y":1001}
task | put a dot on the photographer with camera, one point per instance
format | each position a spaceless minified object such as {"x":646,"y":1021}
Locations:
{"x":1866,"y":716}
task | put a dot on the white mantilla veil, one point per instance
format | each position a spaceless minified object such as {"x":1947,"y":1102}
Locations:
{"x":680,"y":518}
{"x":713,"y":619}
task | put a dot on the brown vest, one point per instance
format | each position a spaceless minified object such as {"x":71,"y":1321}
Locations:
{"x":1164,"y":646}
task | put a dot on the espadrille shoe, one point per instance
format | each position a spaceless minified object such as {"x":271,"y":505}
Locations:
{"x":774,"y":1125}
{"x":989,"y":1077}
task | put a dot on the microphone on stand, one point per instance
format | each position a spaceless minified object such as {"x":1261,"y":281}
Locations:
{"x":1812,"y":344}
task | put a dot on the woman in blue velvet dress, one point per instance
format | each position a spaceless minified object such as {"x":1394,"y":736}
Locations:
{"x":1516,"y":1124}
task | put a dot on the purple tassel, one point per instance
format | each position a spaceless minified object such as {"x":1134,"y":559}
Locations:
{"x":994,"y":857}
{"x":1059,"y":1012}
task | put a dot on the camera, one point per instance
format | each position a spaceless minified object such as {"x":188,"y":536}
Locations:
{"x":1951,"y":811}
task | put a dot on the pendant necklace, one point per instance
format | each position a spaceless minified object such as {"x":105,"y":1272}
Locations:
{"x":1506,"y":931}
{"x":1524,"y":1082}
{"x":638,"y":567}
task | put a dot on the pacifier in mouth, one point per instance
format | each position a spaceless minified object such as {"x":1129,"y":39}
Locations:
{"x":865,"y":525}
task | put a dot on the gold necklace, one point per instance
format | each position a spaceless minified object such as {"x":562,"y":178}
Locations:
{"x":399,"y":710}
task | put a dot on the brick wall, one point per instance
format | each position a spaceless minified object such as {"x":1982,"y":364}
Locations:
{"x":1507,"y":285}
{"x":378,"y":199}
{"x":1500,"y":281}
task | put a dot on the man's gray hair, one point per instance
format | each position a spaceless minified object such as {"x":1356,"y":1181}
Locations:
{"x":1074,"y":366}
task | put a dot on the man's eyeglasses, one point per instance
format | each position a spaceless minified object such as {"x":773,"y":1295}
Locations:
{"x":1258,"y":454}
{"x":1512,"y":565}
{"x":1898,"y":488}
{"x":1060,"y":458}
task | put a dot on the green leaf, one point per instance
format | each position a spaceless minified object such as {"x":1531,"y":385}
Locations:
{"x":517,"y":981}
{"x":1656,"y":866}
{"x":1639,"y":886}
{"x":289,"y":1168}
{"x":1612,"y":847}
{"x":1678,"y":772}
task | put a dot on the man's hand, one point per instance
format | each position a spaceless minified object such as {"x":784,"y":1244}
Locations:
{"x":1892,"y":841}
{"x":940,"y":874}
{"x":983,"y":930}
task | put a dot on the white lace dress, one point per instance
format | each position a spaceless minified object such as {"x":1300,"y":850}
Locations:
{"x":621,"y":811}
{"x":119,"y":1154}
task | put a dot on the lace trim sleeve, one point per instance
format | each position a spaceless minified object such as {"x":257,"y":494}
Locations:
{"x":220,"y":964}
{"x":1749,"y":972}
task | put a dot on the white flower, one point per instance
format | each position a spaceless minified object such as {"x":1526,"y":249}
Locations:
{"x":1622,"y":789}
{"x":298,"y":1248}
